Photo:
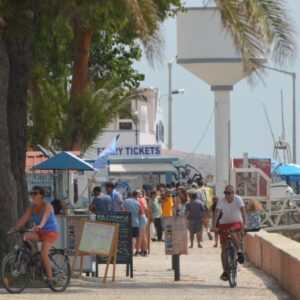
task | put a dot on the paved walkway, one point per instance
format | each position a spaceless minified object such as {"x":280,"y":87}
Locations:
{"x":154,"y":280}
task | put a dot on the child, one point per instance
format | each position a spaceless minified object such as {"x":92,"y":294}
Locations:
{"x":254,"y":218}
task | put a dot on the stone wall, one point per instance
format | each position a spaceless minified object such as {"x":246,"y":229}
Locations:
{"x":278,"y":256}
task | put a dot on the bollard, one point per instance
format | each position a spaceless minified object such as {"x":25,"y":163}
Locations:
{"x":173,"y":262}
{"x":176,"y":267}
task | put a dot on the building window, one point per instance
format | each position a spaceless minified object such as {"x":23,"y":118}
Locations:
{"x":125,"y":125}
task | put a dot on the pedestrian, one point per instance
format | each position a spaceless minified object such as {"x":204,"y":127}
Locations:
{"x":116,"y":197}
{"x":212,"y":211}
{"x":181,"y":200}
{"x":194,"y":214}
{"x":156,"y":211}
{"x":201,"y":195}
{"x":166,"y":202}
{"x":132,"y":205}
{"x":142,"y":245}
{"x":254,"y":214}
{"x":101,"y":203}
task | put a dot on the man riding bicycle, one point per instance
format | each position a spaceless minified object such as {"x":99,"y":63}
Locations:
{"x":45,"y":230}
{"x":234,"y":216}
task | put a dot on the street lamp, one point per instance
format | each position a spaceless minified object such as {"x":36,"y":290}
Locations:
{"x":170,"y":64}
{"x":293,"y":75}
{"x":174,"y":92}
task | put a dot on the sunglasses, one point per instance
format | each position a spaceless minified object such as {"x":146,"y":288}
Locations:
{"x":34,"y":193}
{"x":227,"y":193}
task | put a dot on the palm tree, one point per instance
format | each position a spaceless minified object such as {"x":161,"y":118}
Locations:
{"x":259,"y":28}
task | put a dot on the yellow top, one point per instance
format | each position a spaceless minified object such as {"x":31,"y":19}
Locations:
{"x":209,"y":195}
{"x":167,"y":206}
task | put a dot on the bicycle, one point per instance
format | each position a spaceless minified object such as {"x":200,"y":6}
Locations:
{"x":231,"y":254}
{"x":17,"y":266}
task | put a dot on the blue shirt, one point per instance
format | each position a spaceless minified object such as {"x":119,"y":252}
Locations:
{"x":254,"y":220}
{"x":134,"y":207}
{"x":102,"y":204}
{"x":51,"y":224}
{"x":117,"y":201}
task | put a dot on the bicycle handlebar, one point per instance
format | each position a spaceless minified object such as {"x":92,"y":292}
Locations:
{"x":19,"y":230}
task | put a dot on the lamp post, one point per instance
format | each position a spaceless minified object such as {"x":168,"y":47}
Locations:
{"x":170,"y":99}
{"x":293,"y":75}
{"x":170,"y":64}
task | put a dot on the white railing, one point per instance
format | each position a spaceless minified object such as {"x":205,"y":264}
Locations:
{"x":275,"y":209}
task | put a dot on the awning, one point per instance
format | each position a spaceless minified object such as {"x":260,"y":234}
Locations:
{"x":64,"y":161}
{"x":122,"y":168}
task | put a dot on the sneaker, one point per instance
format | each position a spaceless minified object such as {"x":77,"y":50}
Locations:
{"x":153,"y":240}
{"x":50,"y":282}
{"x":224,"y":276}
{"x":144,"y":254}
{"x":136,"y":253}
{"x":240,"y":257}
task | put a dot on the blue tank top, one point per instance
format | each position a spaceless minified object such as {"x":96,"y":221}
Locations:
{"x":51,"y":224}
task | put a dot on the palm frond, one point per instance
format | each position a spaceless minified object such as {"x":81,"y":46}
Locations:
{"x":260,"y":29}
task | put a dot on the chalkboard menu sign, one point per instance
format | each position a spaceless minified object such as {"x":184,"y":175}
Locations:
{"x":124,"y":254}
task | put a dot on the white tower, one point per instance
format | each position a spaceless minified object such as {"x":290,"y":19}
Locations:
{"x":206,"y":50}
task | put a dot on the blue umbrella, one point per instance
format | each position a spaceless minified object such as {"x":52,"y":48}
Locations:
{"x":289,"y":172}
{"x":64,"y":161}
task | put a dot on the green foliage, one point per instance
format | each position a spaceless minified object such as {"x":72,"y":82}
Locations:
{"x":55,"y":116}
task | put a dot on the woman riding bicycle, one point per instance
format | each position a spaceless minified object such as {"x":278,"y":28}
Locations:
{"x":45,"y":230}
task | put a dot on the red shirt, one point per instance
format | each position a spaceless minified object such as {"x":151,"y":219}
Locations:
{"x":142,"y":204}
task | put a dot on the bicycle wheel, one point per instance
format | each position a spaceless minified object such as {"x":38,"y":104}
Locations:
{"x":232,"y":266}
{"x":14,"y":273}
{"x":61,"y":271}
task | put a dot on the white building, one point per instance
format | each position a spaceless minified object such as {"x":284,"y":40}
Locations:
{"x":148,"y":130}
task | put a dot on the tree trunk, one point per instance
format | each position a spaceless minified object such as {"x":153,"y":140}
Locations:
{"x":8,"y":190}
{"x":80,"y":80}
{"x":19,"y":48}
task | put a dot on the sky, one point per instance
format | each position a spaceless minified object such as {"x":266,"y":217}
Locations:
{"x":191,"y":111}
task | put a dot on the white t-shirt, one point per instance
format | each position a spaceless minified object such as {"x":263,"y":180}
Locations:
{"x":201,"y":195}
{"x":231,"y":212}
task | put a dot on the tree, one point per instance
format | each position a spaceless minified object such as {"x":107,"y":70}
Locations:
{"x":261,"y":29}
{"x":20,"y":21}
{"x":256,"y":25}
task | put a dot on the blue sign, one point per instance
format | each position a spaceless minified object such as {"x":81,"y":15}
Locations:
{"x":136,"y":151}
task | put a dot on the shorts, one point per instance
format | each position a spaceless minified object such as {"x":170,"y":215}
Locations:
{"x":143,"y":221}
{"x":48,"y":236}
{"x":225,"y":227}
{"x":195,"y":226}
{"x":135,"y":232}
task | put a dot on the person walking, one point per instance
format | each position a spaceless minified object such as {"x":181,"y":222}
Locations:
{"x":212,"y":210}
{"x":194,"y":214}
{"x":142,"y":245}
{"x":132,"y":205}
{"x":116,"y":197}
{"x":234,"y":216}
{"x":181,"y":201}
{"x":166,"y":202}
{"x":156,"y":211}
{"x":101,"y":203}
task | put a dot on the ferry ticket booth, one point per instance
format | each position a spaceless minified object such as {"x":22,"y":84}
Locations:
{"x":144,"y":173}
